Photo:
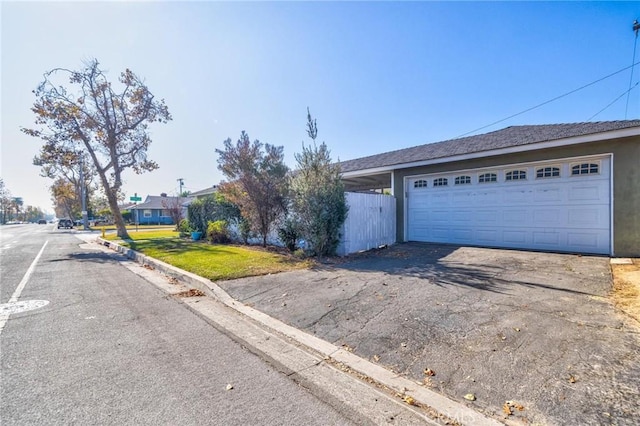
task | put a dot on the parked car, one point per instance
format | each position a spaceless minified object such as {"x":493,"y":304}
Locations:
{"x":65,"y":223}
{"x":98,"y":221}
{"x":42,"y":222}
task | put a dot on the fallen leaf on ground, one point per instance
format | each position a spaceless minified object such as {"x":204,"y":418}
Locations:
{"x":470,"y":397}
{"x":409,"y":400}
{"x":572,"y":379}
{"x":376,"y":358}
{"x":192,"y":292}
{"x":506,"y":409}
{"x":512,"y":404}
{"x":347,"y":347}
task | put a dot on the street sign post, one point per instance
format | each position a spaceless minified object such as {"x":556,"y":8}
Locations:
{"x":135,"y":199}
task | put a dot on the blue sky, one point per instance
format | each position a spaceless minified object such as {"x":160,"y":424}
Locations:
{"x":377,"y":76}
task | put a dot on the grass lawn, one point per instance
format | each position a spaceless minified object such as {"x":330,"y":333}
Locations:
{"x":133,"y":227}
{"x":212,"y":261}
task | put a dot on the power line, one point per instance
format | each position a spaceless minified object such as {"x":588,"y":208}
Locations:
{"x":614,"y":101}
{"x":636,"y":28}
{"x":551,"y":100}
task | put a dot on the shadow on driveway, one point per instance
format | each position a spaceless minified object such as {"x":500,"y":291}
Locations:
{"x":534,"y":328}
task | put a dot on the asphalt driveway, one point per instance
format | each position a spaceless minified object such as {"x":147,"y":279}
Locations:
{"x":534,"y":329}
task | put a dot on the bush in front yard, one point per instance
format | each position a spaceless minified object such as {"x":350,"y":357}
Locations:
{"x":184,"y":228}
{"x":289,"y":234}
{"x":218,"y":232}
{"x":211,"y":208}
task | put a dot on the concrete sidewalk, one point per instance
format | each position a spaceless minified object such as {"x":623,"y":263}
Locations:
{"x":373,"y":394}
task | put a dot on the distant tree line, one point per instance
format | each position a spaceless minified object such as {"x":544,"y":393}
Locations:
{"x":13,"y":208}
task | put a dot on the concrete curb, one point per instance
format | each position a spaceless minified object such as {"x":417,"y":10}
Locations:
{"x":403,"y":386}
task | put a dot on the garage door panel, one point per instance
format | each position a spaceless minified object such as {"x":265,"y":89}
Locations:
{"x":517,"y":237}
{"x":548,"y":217}
{"x":487,"y":235}
{"x":587,"y":216}
{"x":517,"y":196}
{"x":440,"y":216}
{"x":584,"y":240}
{"x":461,"y":234}
{"x":597,"y":191}
{"x":546,"y":238}
{"x":565,"y":213}
{"x":440,"y":234}
{"x":484,"y":197}
{"x":440,"y":199}
{"x":487,"y":217}
{"x":547,"y":195}
{"x":464,"y":216}
{"x":461,"y":198}
{"x":516,"y":217}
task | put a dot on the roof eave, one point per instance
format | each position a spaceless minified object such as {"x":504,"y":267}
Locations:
{"x":575,"y":140}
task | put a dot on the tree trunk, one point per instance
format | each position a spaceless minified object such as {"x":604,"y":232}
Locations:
{"x":112,"y":199}
{"x":117,"y":216}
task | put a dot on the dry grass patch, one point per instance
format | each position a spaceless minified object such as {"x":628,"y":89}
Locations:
{"x":626,"y":288}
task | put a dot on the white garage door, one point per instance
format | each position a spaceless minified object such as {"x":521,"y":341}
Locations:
{"x":561,"y":206}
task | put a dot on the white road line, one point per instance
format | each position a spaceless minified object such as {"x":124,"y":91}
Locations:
{"x":23,"y":283}
{"x":27,"y":275}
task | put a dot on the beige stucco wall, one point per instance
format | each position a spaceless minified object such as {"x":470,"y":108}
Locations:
{"x":626,"y":183}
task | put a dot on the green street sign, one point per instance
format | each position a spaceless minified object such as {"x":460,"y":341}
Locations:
{"x":135,"y":198}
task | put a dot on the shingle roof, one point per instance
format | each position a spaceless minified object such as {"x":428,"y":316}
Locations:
{"x":504,"y":138}
{"x":207,"y":191}
{"x":159,"y":202}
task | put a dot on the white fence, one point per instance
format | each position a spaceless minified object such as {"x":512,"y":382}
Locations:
{"x":371,"y":222}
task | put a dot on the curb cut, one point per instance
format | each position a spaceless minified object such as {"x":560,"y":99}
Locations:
{"x":451,"y":409}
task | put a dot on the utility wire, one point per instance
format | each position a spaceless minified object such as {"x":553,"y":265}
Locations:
{"x":626,"y":92}
{"x":636,"y":28}
{"x":550,"y":100}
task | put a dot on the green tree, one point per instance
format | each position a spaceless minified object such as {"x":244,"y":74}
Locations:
{"x":318,"y":200}
{"x":257,"y":181}
{"x":5,"y":202}
{"x":33,"y":214}
{"x":93,"y":117}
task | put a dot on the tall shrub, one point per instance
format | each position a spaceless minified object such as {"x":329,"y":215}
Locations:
{"x":210,"y":209}
{"x":257,"y":181}
{"x":318,"y":199}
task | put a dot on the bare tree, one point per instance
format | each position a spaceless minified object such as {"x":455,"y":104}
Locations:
{"x":110,"y":126}
{"x":174,"y":206}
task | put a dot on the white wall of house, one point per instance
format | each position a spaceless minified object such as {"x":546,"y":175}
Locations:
{"x":371,"y":222}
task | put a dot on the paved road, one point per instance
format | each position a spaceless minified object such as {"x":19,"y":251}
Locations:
{"x":109,"y":348}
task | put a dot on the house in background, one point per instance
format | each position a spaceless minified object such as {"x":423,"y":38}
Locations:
{"x":204,"y":192}
{"x":559,"y":187}
{"x":199,"y":194}
{"x":155,"y":210}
